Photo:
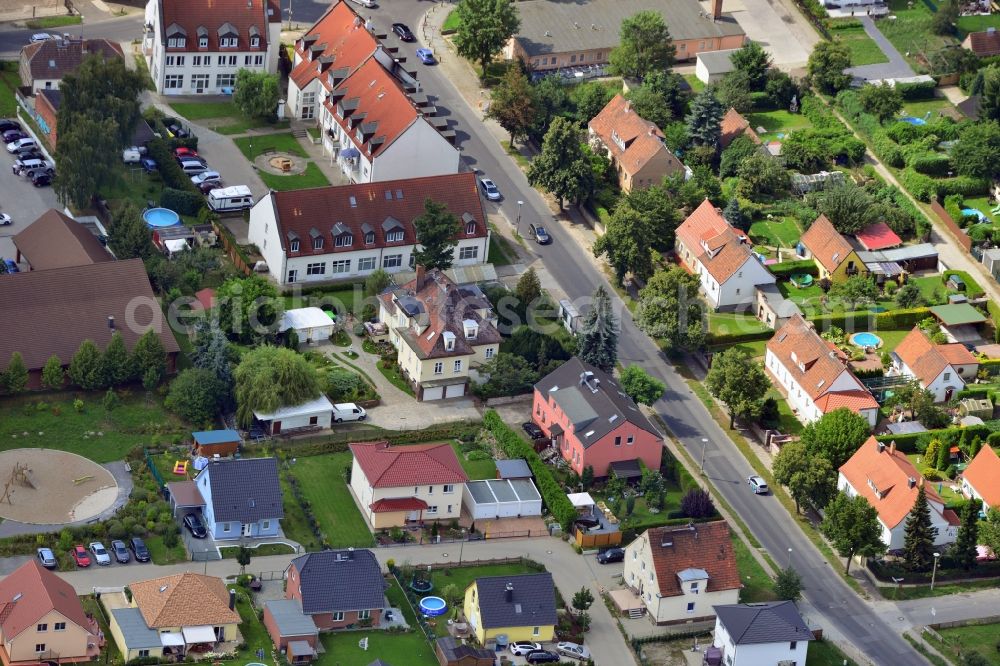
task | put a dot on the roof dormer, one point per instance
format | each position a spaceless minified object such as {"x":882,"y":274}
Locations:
{"x":229,"y":36}
{"x":471,"y":328}
{"x":449,"y":340}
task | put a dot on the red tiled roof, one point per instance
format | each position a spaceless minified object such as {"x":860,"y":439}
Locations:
{"x":704,"y":546}
{"x":29,"y":592}
{"x":377,"y":207}
{"x":337,"y":41}
{"x":926,"y":360}
{"x":388,"y":466}
{"x":878,"y":236}
{"x":245,"y":17}
{"x":390,"y":504}
{"x":205,"y":298}
{"x":54,"y":58}
{"x":983,"y":43}
{"x":643,"y":140}
{"x":983,"y":474}
{"x":889,"y":472}
{"x":733,"y":124}
{"x":852,"y":400}
{"x":826,"y":244}
{"x":715,"y":244}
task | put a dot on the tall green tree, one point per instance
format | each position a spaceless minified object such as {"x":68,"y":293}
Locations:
{"x":271,"y":377}
{"x":754,"y":61}
{"x":583,"y":599}
{"x":87,"y":159}
{"x":836,"y":436}
{"x":437,"y":232}
{"x":788,"y":585}
{"x":256,"y":93}
{"x":85,"y":367}
{"x":704,"y":118}
{"x":562,"y":168}
{"x":909,"y":296}
{"x":484,"y":27}
{"x":102,"y":89}
{"x":509,"y":374}
{"x":243,"y":558}
{"x":733,"y":155}
{"x":739,"y":382}
{"x":512,"y":104}
{"x":965,"y":550}
{"x":211,"y":352}
{"x":671,"y":310}
{"x":734,"y":91}
{"x":989,"y":98}
{"x":15,"y":378}
{"x":851,"y":524}
{"x":644,"y":46}
{"x":641,"y":386}
{"x":149,"y":359}
{"x":377,"y":282}
{"x":761,"y":178}
{"x":591,"y":97}
{"x":735,"y":216}
{"x":551,"y":101}
{"x":659,"y":210}
{"x":196,"y":395}
{"x":116,"y":366}
{"x":848,"y":207}
{"x":597,"y":339}
{"x":854,"y":291}
{"x":129,"y":235}
{"x":826,"y":66}
{"x":529,"y":288}
{"x":882,"y":101}
{"x":53,"y":375}
{"x":626,"y":242}
{"x":249,"y":308}
{"x":811,"y":480}
{"x":975,"y":152}
{"x":919,"y":534}
{"x":945,"y":18}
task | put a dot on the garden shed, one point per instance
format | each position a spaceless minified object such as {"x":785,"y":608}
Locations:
{"x":991,"y":259}
{"x":981,"y":407}
{"x":210,"y":443}
{"x":317,"y":413}
{"x":502,"y":498}
{"x":310,"y":324}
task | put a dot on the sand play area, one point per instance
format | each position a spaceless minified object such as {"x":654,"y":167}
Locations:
{"x":45,"y":486}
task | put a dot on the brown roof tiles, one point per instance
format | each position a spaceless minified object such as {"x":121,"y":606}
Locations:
{"x":718,"y":247}
{"x":54,"y":58}
{"x":29,"y":592}
{"x":733,"y":125}
{"x":214,"y":18}
{"x":183,"y":600}
{"x":927,"y":360}
{"x":337,"y":41}
{"x":983,"y":474}
{"x":632,"y":140}
{"x":388,"y":466}
{"x":985,"y":43}
{"x":57,"y":241}
{"x":826,"y":244}
{"x":704,"y":546}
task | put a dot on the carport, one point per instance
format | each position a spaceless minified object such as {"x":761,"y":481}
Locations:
{"x":502,"y":498}
{"x":184,"y":497}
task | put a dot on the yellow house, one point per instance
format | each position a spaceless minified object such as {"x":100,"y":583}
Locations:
{"x":42,"y":620}
{"x":166,"y":617}
{"x":522,"y":608}
{"x":832,"y":253}
{"x":395,"y":485}
{"x":440,"y":331}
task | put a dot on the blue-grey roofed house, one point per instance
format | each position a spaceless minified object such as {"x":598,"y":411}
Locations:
{"x":242,"y":498}
{"x":762,"y":633}
{"x":137,"y":639}
{"x":211,"y":443}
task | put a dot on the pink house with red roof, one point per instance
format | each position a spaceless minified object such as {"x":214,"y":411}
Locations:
{"x":396,"y":485}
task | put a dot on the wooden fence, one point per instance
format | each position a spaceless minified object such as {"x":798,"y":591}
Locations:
{"x":956,"y":231}
{"x":229,"y":245}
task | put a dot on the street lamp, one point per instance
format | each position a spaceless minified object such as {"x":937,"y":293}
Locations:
{"x":704,"y":445}
{"x":937,"y":556}
{"x":289,"y":10}
{"x":517,"y":224}
{"x":789,"y":558}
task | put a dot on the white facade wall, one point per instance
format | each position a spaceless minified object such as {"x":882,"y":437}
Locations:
{"x":948,"y":379}
{"x":894,"y":536}
{"x":758,"y":654}
{"x":971,"y":492}
{"x":449,"y":504}
{"x":324,"y":419}
{"x":44,"y":84}
{"x":799,"y":399}
{"x":739,"y":288}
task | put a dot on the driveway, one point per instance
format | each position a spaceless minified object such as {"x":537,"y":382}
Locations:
{"x":896,"y":68}
{"x":780,"y":29}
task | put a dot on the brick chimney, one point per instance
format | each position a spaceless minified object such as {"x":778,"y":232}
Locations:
{"x":419,"y":284}
{"x":892,"y":448}
{"x":716,"y":10}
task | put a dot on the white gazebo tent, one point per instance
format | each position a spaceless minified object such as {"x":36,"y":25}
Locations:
{"x":310,"y":324}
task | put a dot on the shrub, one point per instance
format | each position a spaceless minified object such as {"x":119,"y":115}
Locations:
{"x":696,"y":503}
{"x":887,"y":150}
{"x":181,"y":201}
{"x":912,"y":91}
{"x":932,"y":164}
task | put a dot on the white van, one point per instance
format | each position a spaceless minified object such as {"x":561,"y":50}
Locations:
{"x":234,"y":198}
{"x":348,"y":411}
{"x":131,"y":155}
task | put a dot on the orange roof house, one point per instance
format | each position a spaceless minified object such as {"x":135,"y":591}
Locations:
{"x":878,"y":236}
{"x":984,"y":43}
{"x":635,"y":146}
{"x":941,"y":369}
{"x":680,"y":572}
{"x":833,"y":254}
{"x":721,"y":256}
{"x":889,"y":482}
{"x":41,"y":609}
{"x":814,"y":376}
{"x":981,"y":479}
{"x":733,"y":125}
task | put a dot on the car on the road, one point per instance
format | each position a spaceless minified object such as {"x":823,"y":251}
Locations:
{"x":6,"y":125}
{"x":403,"y":32}
{"x":194,"y":525}
{"x":574,"y":650}
{"x":18,"y":144}
{"x":139,"y":549}
{"x":370,"y":4}
{"x":490,"y":189}
{"x":206,"y":177}
{"x":611,"y":555}
{"x":80,"y":556}
{"x":42,"y":179}
{"x":521,"y":648}
{"x":11,"y":266}
{"x":39,"y":37}
{"x":5,"y":220}
{"x":121,"y":551}
{"x":47,"y":558}
{"x":426,"y":56}
{"x":533,"y":431}
{"x":539,"y":233}
{"x":542,"y":657}
{"x":757,"y":485}
{"x":100,"y":553}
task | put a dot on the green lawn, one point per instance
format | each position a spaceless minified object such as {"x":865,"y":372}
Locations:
{"x":696,"y":84}
{"x":501,"y":253}
{"x":967,"y":24}
{"x":892,"y":337}
{"x":451,"y":23}
{"x":312,"y":177}
{"x":160,"y":554}
{"x":324,"y":487}
{"x":940,"y":590}
{"x":983,"y":204}
{"x":243,"y":125}
{"x":641,"y":518}
{"x":10,"y":80}
{"x":757,"y":585}
{"x":981,"y":638}
{"x":787,"y":421}
{"x":52,"y":422}
{"x":939,"y":106}
{"x":864,"y":50}
{"x":731,"y":322}
{"x":972,"y":288}
{"x":395,"y":377}
{"x":409,"y":649}
{"x":932,"y":288}
{"x":253,"y":146}
{"x":910,"y":32}
{"x":777,"y":232}
{"x":46,"y":22}
{"x":260,"y":551}
{"x":777,"y":122}
{"x":462,"y":577}
{"x":825,"y":653}
{"x":476,"y":469}
{"x":344,"y":297}
{"x":203,"y":110}
{"x":753,"y":349}
{"x":397,"y":599}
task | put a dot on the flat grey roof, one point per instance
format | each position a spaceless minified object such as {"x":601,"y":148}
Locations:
{"x":502,"y":490}
{"x":513,"y":469}
{"x":550,"y":26}
{"x":136,"y":634}
{"x":291,"y":621}
{"x":718,"y":62}
{"x":525,"y":489}
{"x":481,"y":492}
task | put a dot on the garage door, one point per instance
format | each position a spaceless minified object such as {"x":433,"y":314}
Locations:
{"x":434,"y":393}
{"x":455,"y":391}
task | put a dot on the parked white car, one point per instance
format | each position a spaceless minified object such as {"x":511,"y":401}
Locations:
{"x":100,"y":553}
{"x":207,"y":176}
{"x":574,"y":650}
{"x":348,"y":411}
{"x":15,"y":146}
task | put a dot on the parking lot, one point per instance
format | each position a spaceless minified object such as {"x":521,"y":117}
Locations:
{"x":22,"y":201}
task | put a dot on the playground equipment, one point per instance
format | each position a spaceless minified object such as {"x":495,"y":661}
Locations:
{"x":20,"y":475}
{"x":82,"y":479}
{"x":181,"y":467}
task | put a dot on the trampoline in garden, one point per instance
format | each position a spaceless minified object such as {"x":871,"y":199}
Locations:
{"x":866,"y":340}
{"x":421,"y":586}
{"x":157,"y":218}
{"x":802,"y":280}
{"x":433,"y":606}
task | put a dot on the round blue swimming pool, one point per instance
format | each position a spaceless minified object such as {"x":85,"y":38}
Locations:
{"x":975,"y":212}
{"x":913,"y":121}
{"x":160,"y":217}
{"x":866,"y":340}
{"x":433,"y":606}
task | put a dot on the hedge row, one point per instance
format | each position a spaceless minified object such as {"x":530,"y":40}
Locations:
{"x":994,"y":310}
{"x":514,"y":447}
{"x":992,"y":366}
{"x":182,"y":201}
{"x":171,"y":172}
{"x":729,"y":339}
{"x":932,"y":165}
{"x":872,"y":321}
{"x":887,"y":150}
{"x":925,"y":188}
{"x":912,"y":91}
{"x":908,"y":443}
{"x":991,"y":391}
{"x":337,"y":441}
{"x":790,"y":268}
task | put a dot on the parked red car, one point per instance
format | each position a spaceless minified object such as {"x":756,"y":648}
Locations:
{"x":181,"y":151}
{"x":81,"y":556}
